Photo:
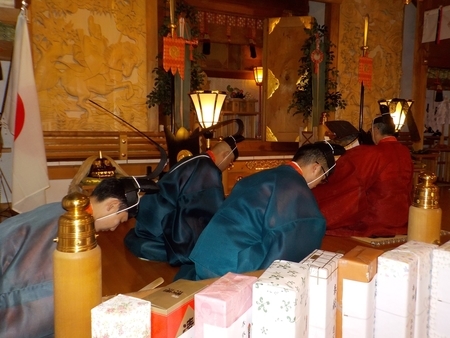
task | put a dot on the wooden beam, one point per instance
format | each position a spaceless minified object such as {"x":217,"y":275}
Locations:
{"x":337,"y":2}
{"x":332,"y":15}
{"x":255,"y":8}
{"x":9,"y":16}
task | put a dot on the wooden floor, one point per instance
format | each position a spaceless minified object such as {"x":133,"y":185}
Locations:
{"x":125,"y":273}
{"x":122,"y":271}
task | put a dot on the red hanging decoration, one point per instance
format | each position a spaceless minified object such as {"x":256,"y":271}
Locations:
{"x":173,"y":55}
{"x":317,"y":55}
{"x":365,"y":71}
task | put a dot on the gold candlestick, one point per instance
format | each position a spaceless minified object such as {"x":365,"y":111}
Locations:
{"x":77,"y":269}
{"x":366,"y":31}
{"x":366,"y":28}
{"x":172,"y":17}
{"x":425,"y":215}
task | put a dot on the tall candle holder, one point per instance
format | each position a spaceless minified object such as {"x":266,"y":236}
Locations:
{"x":364,"y":49}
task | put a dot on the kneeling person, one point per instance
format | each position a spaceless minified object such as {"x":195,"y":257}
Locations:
{"x":26,"y":263}
{"x":269,"y":215}
{"x":169,"y":223}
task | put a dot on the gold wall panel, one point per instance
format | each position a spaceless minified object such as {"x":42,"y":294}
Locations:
{"x":385,"y":41}
{"x":285,"y":37}
{"x":90,"y":50}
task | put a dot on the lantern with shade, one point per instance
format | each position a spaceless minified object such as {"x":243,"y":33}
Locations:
{"x":258,"y":75}
{"x":208,"y":106}
{"x":398,"y":108}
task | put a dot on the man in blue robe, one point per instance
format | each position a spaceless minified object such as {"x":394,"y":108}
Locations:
{"x":169,"y":223}
{"x":26,"y":256}
{"x":269,"y":215}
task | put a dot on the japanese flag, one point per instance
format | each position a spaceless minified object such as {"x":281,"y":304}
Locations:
{"x":23,"y":119}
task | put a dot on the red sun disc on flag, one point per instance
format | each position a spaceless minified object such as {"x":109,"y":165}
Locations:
{"x":20,"y":117}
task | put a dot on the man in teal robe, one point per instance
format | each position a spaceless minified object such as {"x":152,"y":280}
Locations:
{"x":269,"y":215}
{"x":169,"y":223}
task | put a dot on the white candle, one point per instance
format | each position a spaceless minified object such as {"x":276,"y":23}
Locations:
{"x":366,"y":29}
{"x":172,"y":11}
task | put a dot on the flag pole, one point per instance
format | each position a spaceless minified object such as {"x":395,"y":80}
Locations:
{"x":24,"y":9}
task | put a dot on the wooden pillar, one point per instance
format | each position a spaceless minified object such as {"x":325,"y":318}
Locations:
{"x":419,"y":76}
{"x":332,"y":19}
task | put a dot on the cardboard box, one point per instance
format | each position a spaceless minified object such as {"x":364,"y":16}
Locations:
{"x":222,"y":303}
{"x":355,"y":311}
{"x":280,"y":301}
{"x":322,"y":292}
{"x":439,"y":321}
{"x":121,"y":316}
{"x":395,"y":294}
{"x":173,"y":308}
{"x":423,"y":251}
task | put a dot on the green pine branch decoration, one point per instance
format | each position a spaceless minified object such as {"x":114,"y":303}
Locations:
{"x":302,"y":98}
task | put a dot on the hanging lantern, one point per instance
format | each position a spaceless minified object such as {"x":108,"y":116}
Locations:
{"x":398,"y":108}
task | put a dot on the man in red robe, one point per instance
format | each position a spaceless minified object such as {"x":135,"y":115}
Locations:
{"x":369,"y":193}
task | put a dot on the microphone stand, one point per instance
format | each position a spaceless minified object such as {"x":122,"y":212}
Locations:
{"x":162,"y":163}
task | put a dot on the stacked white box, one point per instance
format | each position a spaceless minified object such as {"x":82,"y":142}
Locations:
{"x":280,"y":301}
{"x":355,"y":312}
{"x":223,"y":308}
{"x":121,"y":316}
{"x":424,"y":254}
{"x":439,"y":324}
{"x":396,"y":294}
{"x":322,"y":292}
{"x":358,"y":308}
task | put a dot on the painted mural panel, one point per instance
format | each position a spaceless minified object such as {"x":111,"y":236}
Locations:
{"x":385,"y":41}
{"x":85,"y":50}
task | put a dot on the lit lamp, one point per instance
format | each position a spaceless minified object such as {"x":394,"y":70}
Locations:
{"x":208,"y":105}
{"x":398,"y":108}
{"x":258,"y":75}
